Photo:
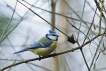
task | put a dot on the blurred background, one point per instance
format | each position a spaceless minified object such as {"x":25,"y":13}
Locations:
{"x":20,"y":27}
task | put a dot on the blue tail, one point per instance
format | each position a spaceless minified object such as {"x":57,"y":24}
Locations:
{"x":26,"y":49}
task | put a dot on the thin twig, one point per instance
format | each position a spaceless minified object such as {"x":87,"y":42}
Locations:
{"x":84,"y":57}
{"x":77,"y":28}
{"x":75,"y":13}
{"x":67,"y":64}
{"x":81,"y":17}
{"x":18,"y":56}
{"x":56,"y":13}
{"x":96,"y":52}
{"x":15,"y":25}
{"x":90,"y":26}
{"x":97,"y":4}
{"x":100,"y":16}
{"x":1,"y":37}
{"x":43,"y":18}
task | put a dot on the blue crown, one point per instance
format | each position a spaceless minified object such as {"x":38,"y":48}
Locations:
{"x":52,"y":32}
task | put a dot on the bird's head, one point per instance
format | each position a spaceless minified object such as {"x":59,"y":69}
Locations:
{"x":52,"y":35}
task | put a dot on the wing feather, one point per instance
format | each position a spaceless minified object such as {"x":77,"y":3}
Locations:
{"x":42,"y":43}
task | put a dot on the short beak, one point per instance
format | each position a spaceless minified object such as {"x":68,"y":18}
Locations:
{"x":57,"y":35}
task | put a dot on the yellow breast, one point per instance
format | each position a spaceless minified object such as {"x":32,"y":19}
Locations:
{"x":45,"y":51}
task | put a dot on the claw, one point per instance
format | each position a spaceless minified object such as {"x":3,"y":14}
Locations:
{"x":39,"y":58}
{"x":53,"y":54}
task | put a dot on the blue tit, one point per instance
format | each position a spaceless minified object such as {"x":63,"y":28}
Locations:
{"x":45,"y":46}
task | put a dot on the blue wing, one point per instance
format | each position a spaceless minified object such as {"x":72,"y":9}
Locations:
{"x":39,"y":45}
{"x":42,"y":43}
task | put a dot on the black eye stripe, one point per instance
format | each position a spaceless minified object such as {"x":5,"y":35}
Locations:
{"x":54,"y":35}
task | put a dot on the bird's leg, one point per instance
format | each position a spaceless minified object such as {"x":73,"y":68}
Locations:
{"x":39,"y":57}
{"x":53,"y":54}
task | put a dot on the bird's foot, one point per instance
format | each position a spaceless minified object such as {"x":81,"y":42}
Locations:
{"x":39,"y":57}
{"x":53,"y":54}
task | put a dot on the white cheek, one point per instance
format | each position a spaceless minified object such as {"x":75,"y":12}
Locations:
{"x":52,"y":37}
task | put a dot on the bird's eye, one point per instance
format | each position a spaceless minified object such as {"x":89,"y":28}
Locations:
{"x":53,"y":35}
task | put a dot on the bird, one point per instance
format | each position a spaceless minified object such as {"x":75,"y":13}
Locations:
{"x":44,"y":46}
